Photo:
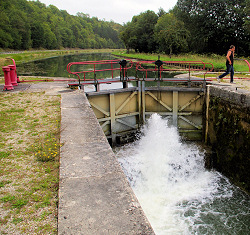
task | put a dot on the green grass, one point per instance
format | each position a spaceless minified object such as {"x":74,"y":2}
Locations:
{"x":29,"y":122}
{"x":217,"y":60}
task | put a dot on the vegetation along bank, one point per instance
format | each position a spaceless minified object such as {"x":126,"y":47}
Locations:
{"x":191,"y":26}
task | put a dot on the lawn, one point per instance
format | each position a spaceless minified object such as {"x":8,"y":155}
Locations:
{"x":29,"y":155}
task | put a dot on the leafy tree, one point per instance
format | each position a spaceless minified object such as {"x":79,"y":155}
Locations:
{"x":5,"y":31}
{"x":214,"y":24}
{"x":49,"y":37}
{"x":161,"y":12}
{"x":37,"y":35}
{"x":247,"y":16}
{"x":20,"y":29}
{"x":139,"y":34}
{"x":171,"y":34}
{"x":25,"y":24}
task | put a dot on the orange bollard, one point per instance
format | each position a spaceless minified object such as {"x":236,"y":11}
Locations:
{"x":13,"y":75}
{"x":8,"y":86}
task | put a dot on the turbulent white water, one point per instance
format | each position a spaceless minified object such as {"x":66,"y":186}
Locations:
{"x":178,"y":195}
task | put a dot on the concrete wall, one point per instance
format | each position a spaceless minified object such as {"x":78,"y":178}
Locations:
{"x":94,"y":194}
{"x":229,"y":133}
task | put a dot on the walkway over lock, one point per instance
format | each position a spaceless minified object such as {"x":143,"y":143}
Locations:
{"x":120,"y":112}
{"x":139,"y":71}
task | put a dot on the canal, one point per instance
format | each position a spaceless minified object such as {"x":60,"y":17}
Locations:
{"x":57,"y":66}
{"x":177,"y":193}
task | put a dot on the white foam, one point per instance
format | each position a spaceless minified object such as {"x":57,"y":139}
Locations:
{"x":169,"y":178}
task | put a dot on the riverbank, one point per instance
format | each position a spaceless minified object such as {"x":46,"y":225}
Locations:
{"x":218,"y":61}
{"x":28,"y":56}
{"x":242,"y":71}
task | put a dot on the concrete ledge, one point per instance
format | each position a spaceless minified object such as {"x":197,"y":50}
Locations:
{"x":94,"y":194}
{"x":231,"y":93}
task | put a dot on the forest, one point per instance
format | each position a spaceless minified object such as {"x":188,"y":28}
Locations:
{"x":195,"y":26}
{"x":30,"y":24}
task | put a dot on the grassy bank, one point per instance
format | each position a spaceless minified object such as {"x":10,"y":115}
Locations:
{"x":217,"y":60}
{"x":27,"y":56}
{"x":29,"y":154}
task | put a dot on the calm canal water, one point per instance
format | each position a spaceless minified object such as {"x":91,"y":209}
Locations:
{"x":57,"y":66}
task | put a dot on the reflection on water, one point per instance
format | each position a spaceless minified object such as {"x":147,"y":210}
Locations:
{"x":178,"y":195}
{"x":57,"y":66}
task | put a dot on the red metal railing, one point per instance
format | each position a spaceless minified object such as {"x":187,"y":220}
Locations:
{"x":188,"y":66}
{"x":114,"y":66}
{"x":247,"y":64}
{"x":159,"y":66}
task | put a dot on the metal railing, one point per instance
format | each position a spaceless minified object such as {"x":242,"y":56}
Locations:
{"x":115,"y":65}
{"x":167,"y":66}
{"x":123,"y":66}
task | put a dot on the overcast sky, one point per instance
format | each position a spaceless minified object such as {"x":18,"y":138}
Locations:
{"x":120,"y":11}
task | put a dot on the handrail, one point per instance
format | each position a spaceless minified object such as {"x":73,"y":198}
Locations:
{"x":247,"y":64}
{"x":124,"y":65}
{"x":112,"y":63}
{"x":161,"y":68}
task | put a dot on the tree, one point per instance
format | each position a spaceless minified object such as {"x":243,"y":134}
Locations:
{"x":247,"y":16}
{"x":5,"y":31}
{"x":25,"y":24}
{"x":49,"y":36}
{"x":171,"y":34}
{"x":161,"y":12}
{"x":139,"y":34}
{"x":37,"y":35}
{"x":214,"y":24}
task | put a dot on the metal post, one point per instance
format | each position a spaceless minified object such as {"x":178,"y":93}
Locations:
{"x":143,"y":101}
{"x":112,"y":118}
{"x":175,"y":108}
{"x":125,"y":84}
{"x":139,"y":97}
{"x":189,"y":75}
{"x":8,"y":85}
{"x":207,"y":109}
{"x":13,"y":75}
{"x":123,"y":73}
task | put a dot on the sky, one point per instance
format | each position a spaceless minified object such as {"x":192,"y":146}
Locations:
{"x":119,"y":11}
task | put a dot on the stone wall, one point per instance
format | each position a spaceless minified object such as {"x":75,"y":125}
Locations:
{"x":229,"y":133}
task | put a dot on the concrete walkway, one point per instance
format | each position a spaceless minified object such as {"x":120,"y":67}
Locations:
{"x":94,"y":194}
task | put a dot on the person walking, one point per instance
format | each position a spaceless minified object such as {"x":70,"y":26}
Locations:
{"x":229,"y":64}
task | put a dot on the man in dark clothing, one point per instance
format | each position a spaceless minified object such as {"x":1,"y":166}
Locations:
{"x":229,"y":64}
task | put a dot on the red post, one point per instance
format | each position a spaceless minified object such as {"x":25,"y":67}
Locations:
{"x":13,"y":75}
{"x":16,"y":77}
{"x":8,"y":86}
